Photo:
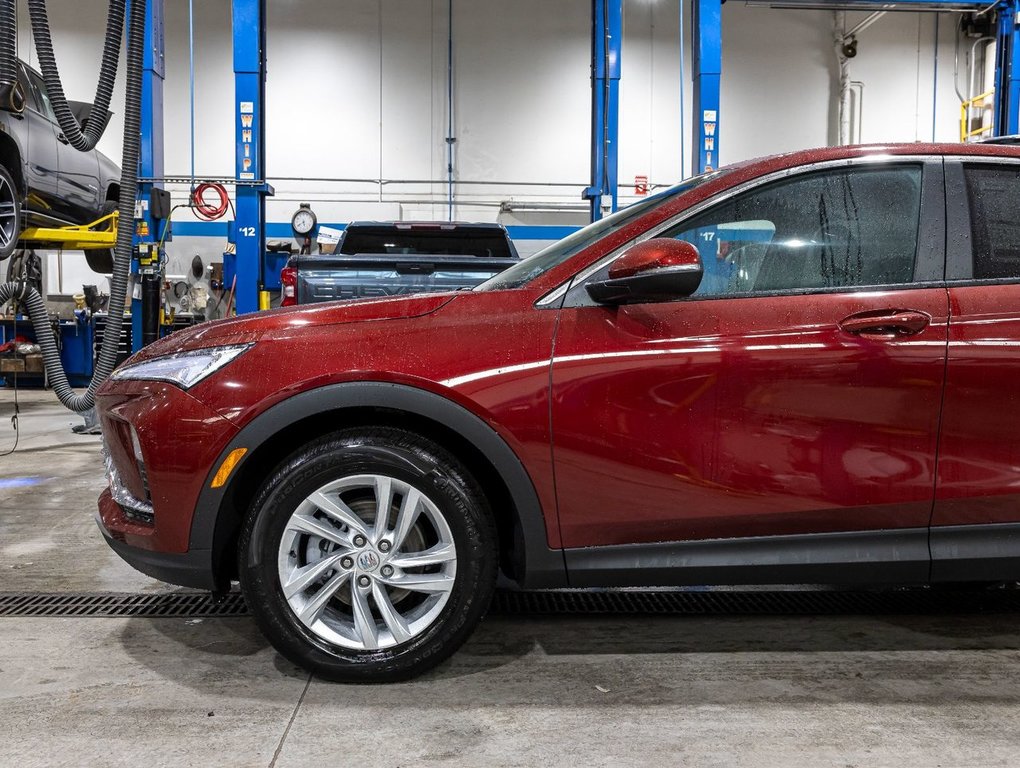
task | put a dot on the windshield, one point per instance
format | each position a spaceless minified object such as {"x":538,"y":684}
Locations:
{"x":539,"y":263}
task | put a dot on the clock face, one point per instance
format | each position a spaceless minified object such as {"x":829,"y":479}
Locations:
{"x":303,"y":222}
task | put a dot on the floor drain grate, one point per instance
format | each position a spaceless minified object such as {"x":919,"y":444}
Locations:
{"x":198,"y":604}
{"x":671,"y":602}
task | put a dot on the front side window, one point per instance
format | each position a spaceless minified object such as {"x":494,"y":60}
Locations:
{"x":993,"y":195}
{"x":826,"y":230}
{"x":42,"y":97}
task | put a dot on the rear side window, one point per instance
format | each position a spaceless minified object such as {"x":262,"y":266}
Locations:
{"x":993,"y":194}
{"x":487,"y":243}
{"x":832,"y":229}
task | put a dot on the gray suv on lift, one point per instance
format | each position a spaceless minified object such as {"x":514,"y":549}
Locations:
{"x":44,"y":181}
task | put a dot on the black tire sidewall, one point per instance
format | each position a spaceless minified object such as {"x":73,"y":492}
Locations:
{"x":5,"y":253}
{"x":402,"y":456}
{"x":102,"y":260}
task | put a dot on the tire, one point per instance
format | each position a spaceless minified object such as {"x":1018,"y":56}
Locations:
{"x":10,"y":215}
{"x":101,"y":260}
{"x":348,"y":633}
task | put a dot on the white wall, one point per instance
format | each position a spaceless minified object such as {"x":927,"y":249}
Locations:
{"x":357,"y":91}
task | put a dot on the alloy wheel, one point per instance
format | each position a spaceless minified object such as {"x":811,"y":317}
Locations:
{"x":367,"y":562}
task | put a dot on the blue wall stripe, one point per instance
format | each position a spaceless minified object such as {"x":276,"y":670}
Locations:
{"x":281,"y":230}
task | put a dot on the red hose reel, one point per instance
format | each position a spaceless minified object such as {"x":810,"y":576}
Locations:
{"x":203,"y":208}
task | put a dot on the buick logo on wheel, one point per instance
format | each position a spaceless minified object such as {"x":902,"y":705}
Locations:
{"x":368,"y":561}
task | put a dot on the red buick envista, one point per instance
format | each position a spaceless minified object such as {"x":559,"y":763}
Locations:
{"x":802,"y":369}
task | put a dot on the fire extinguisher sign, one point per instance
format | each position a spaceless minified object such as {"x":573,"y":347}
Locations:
{"x":640,"y":185}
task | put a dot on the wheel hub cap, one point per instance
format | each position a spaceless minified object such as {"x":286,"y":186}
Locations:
{"x":368,"y":561}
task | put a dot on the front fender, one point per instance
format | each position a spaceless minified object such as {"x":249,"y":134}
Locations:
{"x":541,"y":566}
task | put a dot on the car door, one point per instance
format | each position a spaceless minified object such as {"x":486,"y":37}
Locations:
{"x":796,"y":393}
{"x":77,"y":197}
{"x":41,"y":164}
{"x":976,"y":519}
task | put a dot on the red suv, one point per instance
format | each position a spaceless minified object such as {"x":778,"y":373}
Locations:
{"x":802,"y":369}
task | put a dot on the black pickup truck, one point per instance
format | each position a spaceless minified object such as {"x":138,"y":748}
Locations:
{"x":383,"y":258}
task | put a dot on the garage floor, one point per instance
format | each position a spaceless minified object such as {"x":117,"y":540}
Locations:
{"x":763,"y":690}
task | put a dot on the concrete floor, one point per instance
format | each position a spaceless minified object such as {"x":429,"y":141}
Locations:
{"x":609,"y":691}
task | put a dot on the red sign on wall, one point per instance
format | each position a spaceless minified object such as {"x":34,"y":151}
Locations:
{"x":640,"y":185}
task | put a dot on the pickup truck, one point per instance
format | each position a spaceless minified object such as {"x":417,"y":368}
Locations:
{"x":379,"y":258}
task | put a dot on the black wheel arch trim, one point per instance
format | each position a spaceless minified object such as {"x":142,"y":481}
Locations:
{"x":541,"y":567}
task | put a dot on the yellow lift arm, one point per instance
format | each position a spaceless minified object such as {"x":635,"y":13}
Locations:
{"x":99,"y":234}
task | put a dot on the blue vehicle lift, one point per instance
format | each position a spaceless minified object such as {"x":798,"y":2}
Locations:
{"x":707,"y":60}
{"x":247,"y":232}
{"x":606,"y":44}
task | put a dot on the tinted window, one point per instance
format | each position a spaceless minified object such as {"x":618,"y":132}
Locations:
{"x":994,"y":197}
{"x":42,"y":98}
{"x":833,"y":229}
{"x":489,"y":243}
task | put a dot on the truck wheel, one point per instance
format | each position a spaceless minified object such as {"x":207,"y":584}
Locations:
{"x":368,"y":556}
{"x":101,"y":260}
{"x":10,"y":215}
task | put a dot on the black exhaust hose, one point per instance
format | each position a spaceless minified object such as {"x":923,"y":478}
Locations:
{"x":100,"y":114}
{"x":122,"y":261}
{"x":12,"y":98}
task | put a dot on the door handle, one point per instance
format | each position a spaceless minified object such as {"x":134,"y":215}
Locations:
{"x":62,"y":139}
{"x":888,"y":323}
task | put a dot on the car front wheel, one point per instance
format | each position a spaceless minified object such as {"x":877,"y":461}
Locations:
{"x":10,"y":215}
{"x":368,"y":556}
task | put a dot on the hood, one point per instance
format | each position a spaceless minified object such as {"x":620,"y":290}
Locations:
{"x":251,"y":327}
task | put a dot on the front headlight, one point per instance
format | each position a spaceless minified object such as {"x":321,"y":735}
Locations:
{"x":185,"y":369}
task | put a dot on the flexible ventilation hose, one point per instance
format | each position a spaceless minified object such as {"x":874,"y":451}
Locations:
{"x":11,"y":95}
{"x":100,"y":114}
{"x":126,"y":205}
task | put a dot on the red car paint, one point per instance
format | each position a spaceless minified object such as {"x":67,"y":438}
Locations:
{"x":643,"y":423}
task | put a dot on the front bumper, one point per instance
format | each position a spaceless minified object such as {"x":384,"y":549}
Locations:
{"x":148,"y":517}
{"x":193,"y":568}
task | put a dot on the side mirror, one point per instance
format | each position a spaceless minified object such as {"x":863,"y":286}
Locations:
{"x":659,"y":269}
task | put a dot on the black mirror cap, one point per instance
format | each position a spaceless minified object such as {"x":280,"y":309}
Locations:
{"x":664,"y":284}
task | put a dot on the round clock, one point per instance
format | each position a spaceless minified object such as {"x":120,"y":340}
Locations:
{"x":303,"y":222}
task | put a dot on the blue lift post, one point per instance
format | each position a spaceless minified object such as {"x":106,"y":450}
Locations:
{"x":150,"y":165}
{"x":706,"y":31}
{"x":1007,"y":70}
{"x":606,"y":42}
{"x":706,"y":71}
{"x":249,"y":235}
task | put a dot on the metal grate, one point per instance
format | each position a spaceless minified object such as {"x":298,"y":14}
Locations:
{"x":197,"y":604}
{"x":663,"y":602}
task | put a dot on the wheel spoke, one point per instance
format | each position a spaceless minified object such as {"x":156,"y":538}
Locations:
{"x":304,"y":577}
{"x":319,"y":528}
{"x":339,"y":511}
{"x":394,"y":621}
{"x":384,"y":500}
{"x":440,"y":553}
{"x":364,"y":622}
{"x":424,"y":582}
{"x":314,"y":607}
{"x":406,"y":516}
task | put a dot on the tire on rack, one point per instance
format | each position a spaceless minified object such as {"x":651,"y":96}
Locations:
{"x":10,"y":215}
{"x":350,"y":598}
{"x":101,"y":259}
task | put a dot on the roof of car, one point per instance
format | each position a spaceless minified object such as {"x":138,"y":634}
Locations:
{"x":444,"y":225}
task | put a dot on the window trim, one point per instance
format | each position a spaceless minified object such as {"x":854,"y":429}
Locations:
{"x":930,"y":260}
{"x":959,"y":243}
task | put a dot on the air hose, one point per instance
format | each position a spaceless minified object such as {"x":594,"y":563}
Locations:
{"x":100,"y":114}
{"x":107,"y":359}
{"x":11,"y":95}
